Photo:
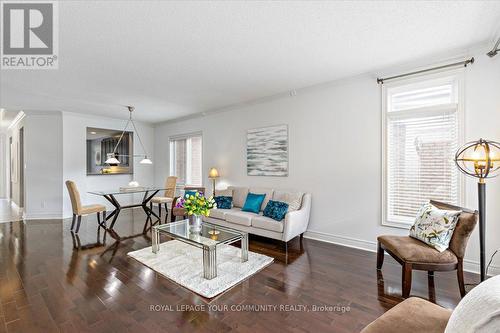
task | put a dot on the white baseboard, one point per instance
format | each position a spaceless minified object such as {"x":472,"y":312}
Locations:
{"x":342,"y":240}
{"x":42,"y":216}
{"x":371,"y":246}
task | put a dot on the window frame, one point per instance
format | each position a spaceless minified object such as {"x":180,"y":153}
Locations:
{"x":171,"y":162}
{"x":457,"y":76}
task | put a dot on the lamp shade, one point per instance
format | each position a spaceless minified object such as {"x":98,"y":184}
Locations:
{"x":146,"y":160}
{"x":112,"y":159}
{"x":480,"y":159}
{"x":213,"y":173}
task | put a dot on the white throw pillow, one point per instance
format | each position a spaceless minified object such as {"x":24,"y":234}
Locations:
{"x":479,"y":310}
{"x":434,"y":226}
{"x":225,"y":193}
{"x":239,"y":195}
{"x":293,"y":199}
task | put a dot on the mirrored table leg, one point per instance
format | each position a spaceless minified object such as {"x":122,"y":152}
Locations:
{"x":155,"y":237}
{"x":209,"y":262}
{"x":244,"y":248}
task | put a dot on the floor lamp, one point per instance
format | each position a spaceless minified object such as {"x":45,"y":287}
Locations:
{"x":213,"y":174}
{"x":480,"y":159}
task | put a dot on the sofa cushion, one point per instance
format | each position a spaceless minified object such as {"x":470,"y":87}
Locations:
{"x":293,"y":199}
{"x":262,"y":190}
{"x":412,"y":315}
{"x":239,"y":217}
{"x":479,"y":310}
{"x":221,"y":213}
{"x":224,"y":193}
{"x":239,"y":195}
{"x":263,"y":222}
{"x":413,"y":250}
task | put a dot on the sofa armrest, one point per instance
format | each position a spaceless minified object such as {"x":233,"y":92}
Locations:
{"x":296,"y":222}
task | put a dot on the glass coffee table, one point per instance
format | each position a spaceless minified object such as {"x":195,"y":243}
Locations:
{"x":210,"y":236}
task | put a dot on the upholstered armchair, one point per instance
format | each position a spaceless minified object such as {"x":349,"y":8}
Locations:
{"x":477,"y":312}
{"x":181,"y":211}
{"x":414,"y":254}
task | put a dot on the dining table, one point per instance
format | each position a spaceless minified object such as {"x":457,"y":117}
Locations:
{"x":111,"y":196}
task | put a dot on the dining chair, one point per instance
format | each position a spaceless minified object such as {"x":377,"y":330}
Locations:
{"x":80,"y":210}
{"x":168,"y":197}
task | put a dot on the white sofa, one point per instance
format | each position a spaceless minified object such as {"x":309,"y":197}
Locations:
{"x":294,"y":224}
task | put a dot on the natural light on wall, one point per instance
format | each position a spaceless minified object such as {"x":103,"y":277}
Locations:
{"x":422,"y":126}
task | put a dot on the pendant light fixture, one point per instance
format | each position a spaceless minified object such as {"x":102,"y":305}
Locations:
{"x":112,"y":158}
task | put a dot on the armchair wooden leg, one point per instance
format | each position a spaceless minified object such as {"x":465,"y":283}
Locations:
{"x":78,"y":224}
{"x":430,"y":286}
{"x":406,"y":280}
{"x":380,"y":256}
{"x":73,"y":222}
{"x":460,"y":276}
{"x":98,"y":220}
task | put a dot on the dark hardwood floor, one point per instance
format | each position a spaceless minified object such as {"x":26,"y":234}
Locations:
{"x":50,"y":283}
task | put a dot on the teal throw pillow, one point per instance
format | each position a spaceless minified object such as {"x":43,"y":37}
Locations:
{"x":276,"y":210}
{"x":253,"y":203}
{"x":224,"y":202}
{"x":190,"y":193}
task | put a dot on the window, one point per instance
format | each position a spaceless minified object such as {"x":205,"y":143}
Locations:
{"x":186,"y":159}
{"x":422,"y":123}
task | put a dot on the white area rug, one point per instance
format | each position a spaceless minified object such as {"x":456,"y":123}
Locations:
{"x":183,"y":264}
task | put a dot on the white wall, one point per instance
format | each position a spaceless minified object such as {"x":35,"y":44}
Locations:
{"x":43,"y":164}
{"x":3,"y":165}
{"x":335,"y":152}
{"x":13,"y":132}
{"x":74,"y":159}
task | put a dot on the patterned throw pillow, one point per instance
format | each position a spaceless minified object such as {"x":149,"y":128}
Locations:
{"x":276,"y":210}
{"x":224,"y":202}
{"x":434,"y":226}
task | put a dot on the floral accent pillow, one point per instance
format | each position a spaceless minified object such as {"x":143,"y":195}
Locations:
{"x":434,"y":226}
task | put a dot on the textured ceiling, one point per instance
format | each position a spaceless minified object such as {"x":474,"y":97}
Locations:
{"x":171,"y":59}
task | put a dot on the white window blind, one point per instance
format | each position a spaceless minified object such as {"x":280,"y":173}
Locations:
{"x":186,"y":159}
{"x":422,"y":136}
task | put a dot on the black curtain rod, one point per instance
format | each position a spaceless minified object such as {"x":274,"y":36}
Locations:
{"x":461,"y":63}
